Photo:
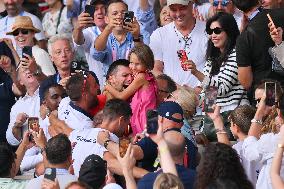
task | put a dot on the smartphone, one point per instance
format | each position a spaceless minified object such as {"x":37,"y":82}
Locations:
{"x":50,"y":173}
{"x":152,"y":121}
{"x":210,"y":98}
{"x":128,"y":17}
{"x":75,"y":66}
{"x":90,"y":9}
{"x":270,"y":91}
{"x":27,"y":50}
{"x":123,"y":145}
{"x":33,"y":124}
{"x":182,"y":56}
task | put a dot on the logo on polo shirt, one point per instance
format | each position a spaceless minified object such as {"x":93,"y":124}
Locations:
{"x":91,"y":140}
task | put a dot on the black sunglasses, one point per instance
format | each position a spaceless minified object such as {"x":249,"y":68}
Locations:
{"x":216,"y":30}
{"x":17,"y":32}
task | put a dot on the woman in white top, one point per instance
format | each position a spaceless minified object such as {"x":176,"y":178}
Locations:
{"x":24,"y":34}
{"x":278,"y":49}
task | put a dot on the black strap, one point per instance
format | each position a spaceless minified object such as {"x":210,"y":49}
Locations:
{"x":59,"y":18}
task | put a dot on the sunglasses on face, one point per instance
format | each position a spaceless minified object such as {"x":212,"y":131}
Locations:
{"x":22,"y":31}
{"x":216,"y":30}
{"x":224,"y":3}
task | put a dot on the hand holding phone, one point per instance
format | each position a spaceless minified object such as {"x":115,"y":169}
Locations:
{"x":270,"y":91}
{"x":210,"y":98}
{"x":128,"y":17}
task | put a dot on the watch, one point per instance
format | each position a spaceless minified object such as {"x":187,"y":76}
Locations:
{"x":106,"y":143}
{"x":256,"y":121}
{"x":139,"y":39}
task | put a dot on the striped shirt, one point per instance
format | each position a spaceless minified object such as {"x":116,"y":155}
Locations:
{"x":230,"y":91}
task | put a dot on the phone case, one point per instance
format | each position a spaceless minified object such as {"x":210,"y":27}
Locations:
{"x":90,"y":9}
{"x":270,"y":90}
{"x":128,"y":17}
{"x":27,"y":50}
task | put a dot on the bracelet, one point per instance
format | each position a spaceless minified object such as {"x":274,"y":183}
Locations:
{"x":256,"y":121}
{"x":221,"y":132}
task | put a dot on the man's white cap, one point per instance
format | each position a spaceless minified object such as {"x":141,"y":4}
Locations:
{"x":181,"y":2}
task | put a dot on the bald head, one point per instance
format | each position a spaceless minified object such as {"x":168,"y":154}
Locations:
{"x":176,"y":143}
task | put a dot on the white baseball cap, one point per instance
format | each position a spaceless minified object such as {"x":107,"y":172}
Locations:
{"x":181,"y":2}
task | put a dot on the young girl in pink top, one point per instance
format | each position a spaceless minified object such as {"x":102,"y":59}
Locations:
{"x":143,"y":90}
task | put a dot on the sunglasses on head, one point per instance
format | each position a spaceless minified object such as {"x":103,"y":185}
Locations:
{"x":215,"y":30}
{"x":224,"y":3}
{"x":22,"y":31}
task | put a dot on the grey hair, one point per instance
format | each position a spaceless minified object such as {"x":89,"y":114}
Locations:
{"x":58,"y":37}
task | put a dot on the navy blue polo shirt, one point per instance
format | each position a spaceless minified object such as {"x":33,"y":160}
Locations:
{"x":187,"y":177}
{"x":150,"y":152}
{"x":7,"y":100}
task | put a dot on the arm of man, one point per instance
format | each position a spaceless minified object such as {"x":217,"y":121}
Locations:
{"x":84,"y":21}
{"x":245,"y":76}
{"x":115,"y":167}
{"x":59,"y":126}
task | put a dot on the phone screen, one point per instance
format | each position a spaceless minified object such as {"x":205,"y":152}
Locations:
{"x":210,"y":98}
{"x":128,"y":17}
{"x":90,"y":9}
{"x":152,"y":122}
{"x":50,"y":173}
{"x":75,"y":66}
{"x":270,"y":90}
{"x":33,"y":124}
{"x":27,"y":50}
{"x":123,"y":145}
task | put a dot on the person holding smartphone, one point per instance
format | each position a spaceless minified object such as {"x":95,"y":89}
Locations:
{"x":36,"y":60}
{"x":277,"y":36}
{"x":118,"y":37}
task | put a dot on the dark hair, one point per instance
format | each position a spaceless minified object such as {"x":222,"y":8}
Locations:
{"x":44,"y":87}
{"x":5,"y":50}
{"x":78,"y":183}
{"x":144,"y":54}
{"x":115,"y":1}
{"x":58,"y":149}
{"x":221,"y":161}
{"x":171,"y":85}
{"x":7,"y":158}
{"x":113,"y":67}
{"x":245,"y":5}
{"x":213,"y":54}
{"x":74,"y":86}
{"x":115,"y":108}
{"x":242,"y":116}
{"x":222,"y":183}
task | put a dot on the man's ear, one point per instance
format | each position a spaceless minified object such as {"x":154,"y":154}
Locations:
{"x":106,"y":19}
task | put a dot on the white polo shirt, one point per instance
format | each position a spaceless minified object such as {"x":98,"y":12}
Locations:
{"x":90,"y":35}
{"x":167,"y":40}
{"x":74,"y":116}
{"x":84,"y":143}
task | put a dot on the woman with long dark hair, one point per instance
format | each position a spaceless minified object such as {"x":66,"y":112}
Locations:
{"x":221,"y":68}
{"x":220,"y":161}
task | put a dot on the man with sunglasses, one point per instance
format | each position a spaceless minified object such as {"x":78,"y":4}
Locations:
{"x":14,"y":9}
{"x":184,"y":33}
{"x":254,"y":61}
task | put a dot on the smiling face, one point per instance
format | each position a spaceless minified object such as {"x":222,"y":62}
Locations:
{"x":136,"y":65}
{"x":220,"y":39}
{"x":27,"y":78}
{"x":181,"y":14}
{"x":121,"y":78}
{"x":165,"y":17}
{"x":116,"y":12}
{"x":23,"y":38}
{"x":62,"y":54}
{"x":99,"y":15}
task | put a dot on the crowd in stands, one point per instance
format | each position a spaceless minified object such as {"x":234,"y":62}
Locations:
{"x":163,"y":94}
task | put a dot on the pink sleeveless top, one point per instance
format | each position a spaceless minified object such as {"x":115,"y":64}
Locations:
{"x":142,"y":101}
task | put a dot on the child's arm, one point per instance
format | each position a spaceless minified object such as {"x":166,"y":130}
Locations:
{"x":221,"y":133}
{"x":136,"y":84}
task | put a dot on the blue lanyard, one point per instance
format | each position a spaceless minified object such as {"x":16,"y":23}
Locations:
{"x":57,"y":78}
{"x":114,"y":49}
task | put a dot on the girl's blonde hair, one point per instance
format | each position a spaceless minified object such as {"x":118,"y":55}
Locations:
{"x":167,"y":181}
{"x":144,"y":54}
